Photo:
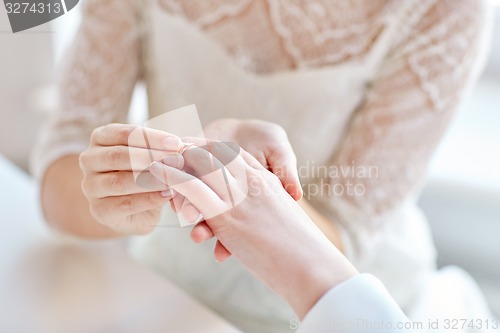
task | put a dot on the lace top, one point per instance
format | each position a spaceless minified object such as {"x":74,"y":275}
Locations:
{"x":365,"y":90}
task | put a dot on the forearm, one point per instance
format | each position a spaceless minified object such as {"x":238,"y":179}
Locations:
{"x":317,"y":266}
{"x":325,"y":270}
{"x":64,"y":205}
{"x":325,"y":225}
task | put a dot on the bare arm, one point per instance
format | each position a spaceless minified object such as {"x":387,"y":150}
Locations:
{"x":98,"y":76}
{"x":269,"y":144}
{"x":263,"y":228}
{"x":328,"y":227}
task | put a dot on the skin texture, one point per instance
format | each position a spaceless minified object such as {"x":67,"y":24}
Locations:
{"x":107,"y":199}
{"x":259,"y":223}
{"x":100,"y":180}
{"x":269,"y":144}
{"x":70,"y":213}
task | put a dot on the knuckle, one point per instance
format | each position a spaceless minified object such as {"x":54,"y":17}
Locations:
{"x":114,"y":155}
{"x":115,"y":182}
{"x":279,"y":147}
{"x":271,"y":129}
{"x":255,"y":179}
{"x":278,"y":128}
{"x":126,"y":203}
{"x":123,"y":133}
{"x":153,"y":199}
{"x":283,"y":154}
{"x":82,"y":160}
{"x":86,"y":186}
{"x":95,"y":133}
{"x":261,"y":181}
{"x":97,"y":211}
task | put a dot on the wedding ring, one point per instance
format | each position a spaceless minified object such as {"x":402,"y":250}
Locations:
{"x":185,"y":147}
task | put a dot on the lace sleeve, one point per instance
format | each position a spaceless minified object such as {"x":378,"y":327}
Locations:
{"x":97,"y":80}
{"x":385,"y":151}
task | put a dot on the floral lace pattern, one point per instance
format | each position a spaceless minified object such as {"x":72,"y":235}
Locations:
{"x":303,"y":33}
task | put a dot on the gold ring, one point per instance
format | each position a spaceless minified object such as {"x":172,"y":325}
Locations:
{"x":185,"y":147}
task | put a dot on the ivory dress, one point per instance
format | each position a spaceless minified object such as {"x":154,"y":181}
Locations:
{"x":363,"y":86}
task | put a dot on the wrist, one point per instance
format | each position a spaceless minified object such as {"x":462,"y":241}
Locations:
{"x":315,"y":277}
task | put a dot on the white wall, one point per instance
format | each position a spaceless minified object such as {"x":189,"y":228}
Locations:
{"x":26,"y":65}
{"x":494,"y":62}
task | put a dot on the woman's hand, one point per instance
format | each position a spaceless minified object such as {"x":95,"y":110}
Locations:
{"x":267,"y":142}
{"x":122,"y":193}
{"x":253,"y":217}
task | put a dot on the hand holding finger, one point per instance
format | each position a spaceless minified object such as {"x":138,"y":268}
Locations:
{"x":283,"y":164}
{"x":196,"y":191}
{"x":135,"y":136}
{"x":121,"y":191}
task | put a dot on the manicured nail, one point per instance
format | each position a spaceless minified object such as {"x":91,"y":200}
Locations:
{"x":172,"y":143}
{"x":167,"y":194}
{"x":173,"y":160}
{"x":155,"y":167}
{"x":157,"y":170}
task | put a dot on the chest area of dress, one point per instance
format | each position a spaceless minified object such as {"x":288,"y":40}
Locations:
{"x":314,"y":105}
{"x":268,"y":36}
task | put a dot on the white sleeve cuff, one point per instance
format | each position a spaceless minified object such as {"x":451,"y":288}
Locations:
{"x":360,"y":304}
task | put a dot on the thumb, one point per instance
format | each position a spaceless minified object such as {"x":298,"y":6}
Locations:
{"x":283,"y":164}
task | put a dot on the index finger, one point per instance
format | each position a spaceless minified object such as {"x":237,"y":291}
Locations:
{"x":135,"y":136}
{"x":193,"y":189}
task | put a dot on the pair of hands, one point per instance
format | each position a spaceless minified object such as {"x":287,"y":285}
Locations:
{"x":131,"y":207}
{"x":244,"y":205}
{"x":119,"y":202}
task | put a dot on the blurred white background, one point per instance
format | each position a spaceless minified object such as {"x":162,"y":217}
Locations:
{"x":461,"y":199}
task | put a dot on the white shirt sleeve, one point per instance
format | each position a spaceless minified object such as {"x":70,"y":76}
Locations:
{"x":360,"y":304}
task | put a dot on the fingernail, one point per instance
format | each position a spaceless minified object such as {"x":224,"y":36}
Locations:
{"x":172,"y":143}
{"x":167,"y":194}
{"x":155,"y":167}
{"x":173,"y":160}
